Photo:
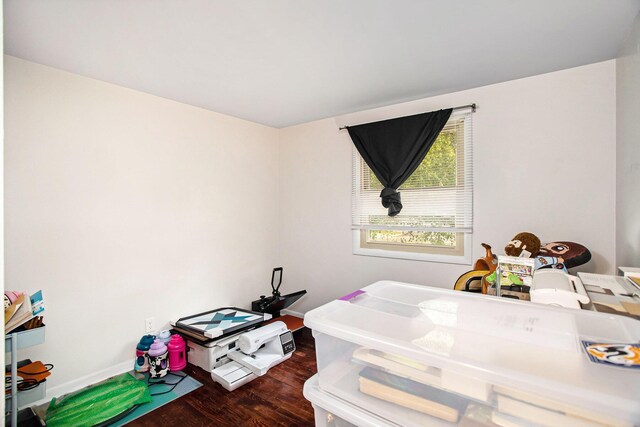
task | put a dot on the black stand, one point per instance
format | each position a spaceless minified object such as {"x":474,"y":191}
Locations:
{"x":276,"y":302}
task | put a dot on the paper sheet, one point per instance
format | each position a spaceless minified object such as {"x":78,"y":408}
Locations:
{"x":603,"y":281}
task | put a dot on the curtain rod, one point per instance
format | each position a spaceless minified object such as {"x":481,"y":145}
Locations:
{"x":461,"y":107}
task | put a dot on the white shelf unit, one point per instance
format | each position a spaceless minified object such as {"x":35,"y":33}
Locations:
{"x":12,"y":343}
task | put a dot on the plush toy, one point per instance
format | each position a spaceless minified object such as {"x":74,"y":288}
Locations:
{"x":550,"y":262}
{"x":526,"y":245}
{"x":488,"y":262}
{"x":473,"y":280}
{"x":570,"y":254}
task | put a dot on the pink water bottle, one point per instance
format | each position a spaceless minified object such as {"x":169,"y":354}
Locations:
{"x":177,"y":353}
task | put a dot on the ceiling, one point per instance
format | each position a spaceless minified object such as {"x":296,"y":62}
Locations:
{"x":284,"y":62}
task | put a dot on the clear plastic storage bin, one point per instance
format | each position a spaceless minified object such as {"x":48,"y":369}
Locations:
{"x":330,"y":411}
{"x":415,"y":356}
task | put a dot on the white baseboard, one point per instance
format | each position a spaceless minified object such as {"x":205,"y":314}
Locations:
{"x":292,"y":313}
{"x":82,"y":382}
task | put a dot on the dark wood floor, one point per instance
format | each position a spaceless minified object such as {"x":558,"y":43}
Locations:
{"x":274,"y":399}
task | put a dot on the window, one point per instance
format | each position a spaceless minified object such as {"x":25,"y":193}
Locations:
{"x":436,"y":218}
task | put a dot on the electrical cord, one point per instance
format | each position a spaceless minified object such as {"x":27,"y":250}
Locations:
{"x":173,"y":385}
{"x":23,"y":384}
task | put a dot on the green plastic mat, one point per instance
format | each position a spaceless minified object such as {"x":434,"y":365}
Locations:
{"x":98,"y":403}
{"x":163,"y":395}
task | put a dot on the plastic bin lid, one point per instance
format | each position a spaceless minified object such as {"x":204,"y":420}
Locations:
{"x":521,"y":345}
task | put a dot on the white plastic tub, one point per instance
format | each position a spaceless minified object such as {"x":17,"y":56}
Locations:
{"x":416,"y":356}
{"x":331,"y":411}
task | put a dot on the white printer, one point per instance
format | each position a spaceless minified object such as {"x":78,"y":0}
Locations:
{"x":232,"y":344}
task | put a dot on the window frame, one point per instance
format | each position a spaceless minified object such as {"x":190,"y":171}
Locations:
{"x":461,"y":254}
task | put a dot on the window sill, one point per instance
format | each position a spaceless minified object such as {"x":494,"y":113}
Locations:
{"x":414,"y":256}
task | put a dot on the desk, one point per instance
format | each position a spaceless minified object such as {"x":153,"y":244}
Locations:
{"x":292,"y":322}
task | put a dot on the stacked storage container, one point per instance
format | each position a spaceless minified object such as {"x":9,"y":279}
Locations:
{"x":401,"y":354}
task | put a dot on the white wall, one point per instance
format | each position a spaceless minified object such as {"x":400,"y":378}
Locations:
{"x":544,"y":161}
{"x":123,"y":206}
{"x":628,"y":150}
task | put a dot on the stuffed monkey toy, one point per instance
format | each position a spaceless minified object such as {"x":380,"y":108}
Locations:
{"x":525,"y":245}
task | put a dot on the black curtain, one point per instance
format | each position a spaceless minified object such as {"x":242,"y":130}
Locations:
{"x":394,"y":149}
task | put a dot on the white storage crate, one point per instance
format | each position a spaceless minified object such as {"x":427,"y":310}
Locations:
{"x":415,"y":356}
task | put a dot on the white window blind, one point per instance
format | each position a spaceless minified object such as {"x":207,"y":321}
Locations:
{"x":437,"y":197}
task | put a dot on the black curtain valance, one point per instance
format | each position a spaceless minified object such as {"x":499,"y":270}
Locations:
{"x":394,"y":149}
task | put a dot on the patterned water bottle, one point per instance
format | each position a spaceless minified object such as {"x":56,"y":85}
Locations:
{"x":158,"y":359}
{"x":141,"y":363}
